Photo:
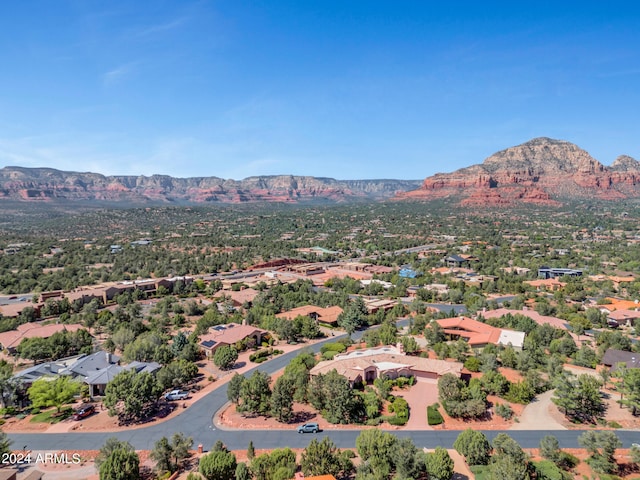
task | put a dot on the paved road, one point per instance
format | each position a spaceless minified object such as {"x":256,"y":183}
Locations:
{"x":196,"y":422}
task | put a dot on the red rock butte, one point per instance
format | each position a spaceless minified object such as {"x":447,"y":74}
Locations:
{"x":541,"y":171}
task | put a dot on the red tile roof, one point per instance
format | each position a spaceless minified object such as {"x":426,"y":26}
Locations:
{"x":12,"y":338}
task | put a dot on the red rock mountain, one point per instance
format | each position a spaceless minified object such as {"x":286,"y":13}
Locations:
{"x":540,"y":171}
{"x":47,"y":184}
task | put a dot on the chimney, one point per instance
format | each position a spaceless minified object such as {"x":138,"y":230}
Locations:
{"x":108,"y":357}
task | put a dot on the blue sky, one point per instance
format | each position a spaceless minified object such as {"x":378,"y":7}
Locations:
{"x":345,"y":89}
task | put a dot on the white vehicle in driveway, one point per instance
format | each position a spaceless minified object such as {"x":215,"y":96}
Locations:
{"x":176,"y":395}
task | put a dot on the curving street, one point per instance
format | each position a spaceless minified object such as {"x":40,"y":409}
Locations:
{"x":197,"y":422}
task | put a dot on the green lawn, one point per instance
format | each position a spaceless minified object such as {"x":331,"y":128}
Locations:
{"x":50,"y":416}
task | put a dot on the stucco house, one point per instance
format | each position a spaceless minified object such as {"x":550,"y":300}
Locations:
{"x":478,"y":335}
{"x":328,"y":315}
{"x":364,"y":366}
{"x":229,"y":334}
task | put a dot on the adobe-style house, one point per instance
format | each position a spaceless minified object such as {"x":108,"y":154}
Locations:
{"x":229,"y":334}
{"x":238,"y":297}
{"x":373,"y":305}
{"x":327,"y":316}
{"x":545,"y":284}
{"x":364,"y":366}
{"x":10,"y":340}
{"x":478,"y":335}
{"x":624,"y":317}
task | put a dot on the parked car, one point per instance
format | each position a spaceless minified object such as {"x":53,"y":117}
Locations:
{"x":176,"y":395}
{"x":309,"y":428}
{"x":84,"y":411}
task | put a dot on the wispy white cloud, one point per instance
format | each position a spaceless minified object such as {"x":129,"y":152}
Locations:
{"x":118,"y":74}
{"x":159,"y":28}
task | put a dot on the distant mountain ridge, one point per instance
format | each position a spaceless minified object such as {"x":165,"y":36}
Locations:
{"x":48,"y":184}
{"x":540,"y":171}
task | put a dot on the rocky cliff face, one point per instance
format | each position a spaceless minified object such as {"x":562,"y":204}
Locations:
{"x":541,"y":171}
{"x":47,"y":184}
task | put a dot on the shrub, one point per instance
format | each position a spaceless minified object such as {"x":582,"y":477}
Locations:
{"x":547,"y":470}
{"x":8,"y":411}
{"x":35,"y":411}
{"x":504,"y":410}
{"x":333,"y":347}
{"x":328,"y":355}
{"x":401,"y":409}
{"x":566,"y":461}
{"x":472,"y":364}
{"x":404,"y":382}
{"x":396,"y":420}
{"x":433,"y":415}
{"x":263,"y":354}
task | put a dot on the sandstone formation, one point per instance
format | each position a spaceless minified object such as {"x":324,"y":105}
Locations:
{"x":47,"y":184}
{"x":540,"y":171}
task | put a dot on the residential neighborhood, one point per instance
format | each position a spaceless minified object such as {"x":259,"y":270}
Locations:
{"x":440,"y":339}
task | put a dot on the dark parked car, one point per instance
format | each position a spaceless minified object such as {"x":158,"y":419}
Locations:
{"x":84,"y":411}
{"x":309,"y":428}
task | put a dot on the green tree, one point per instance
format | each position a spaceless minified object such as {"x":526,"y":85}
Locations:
{"x":225,"y":357}
{"x":218,"y":465}
{"x":505,"y":467}
{"x":109,"y":446}
{"x":45,"y":392}
{"x":579,"y":397}
{"x":123,"y":337}
{"x":282,"y":399}
{"x":409,"y":345}
{"x":121,"y":464}
{"x":376,"y":449}
{"x":404,"y":459}
{"x":251,"y":451}
{"x":9,"y":385}
{"x":503,"y":444}
{"x":324,"y":458}
{"x":474,"y":446}
{"x":242,"y":472}
{"x":333,"y":396}
{"x":255,"y":394}
{"x":434,"y":333}
{"x":169,"y":454}
{"x":234,"y":388}
{"x":601,"y":446}
{"x":631,"y":389}
{"x":439,"y":464}
{"x":162,"y":455}
{"x":176,"y":374}
{"x":634,"y":454}
{"x":550,"y":448}
{"x":5,"y":443}
{"x":130,"y":394}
